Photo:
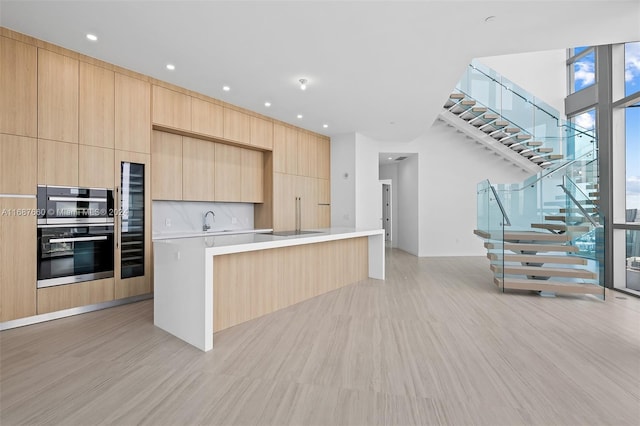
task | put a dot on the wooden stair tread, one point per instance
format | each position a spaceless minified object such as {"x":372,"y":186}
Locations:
{"x":520,"y":247}
{"x":534,"y":236}
{"x":575,"y":210}
{"x":539,"y":258}
{"x":561,"y":227}
{"x":534,"y":143}
{"x":456,"y":96}
{"x":543,"y":271}
{"x":564,"y":218}
{"x":548,"y":285}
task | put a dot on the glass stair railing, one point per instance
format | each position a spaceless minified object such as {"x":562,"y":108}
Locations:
{"x":544,"y":234}
{"x":517,"y":119}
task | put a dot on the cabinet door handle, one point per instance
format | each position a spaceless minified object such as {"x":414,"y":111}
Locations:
{"x":77,"y":239}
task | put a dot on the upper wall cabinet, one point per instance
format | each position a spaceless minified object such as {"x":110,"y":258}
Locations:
{"x":228,"y":172}
{"x":306,"y":143}
{"x":323,"y":152}
{"x":285,"y":149}
{"x":166,"y":166}
{"x":132,"y":114}
{"x":18,"y":88}
{"x":261,"y":133}
{"x":97,"y":97}
{"x":93,"y":166}
{"x":57,"y":163}
{"x":207,"y":118}
{"x":198,"y":170}
{"x":57,"y":97}
{"x":171,"y":108}
{"x":237,"y":126}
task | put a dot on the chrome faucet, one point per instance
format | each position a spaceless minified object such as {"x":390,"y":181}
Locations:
{"x":206,"y":227}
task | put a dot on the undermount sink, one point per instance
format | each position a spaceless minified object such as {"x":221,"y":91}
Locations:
{"x":290,"y":233}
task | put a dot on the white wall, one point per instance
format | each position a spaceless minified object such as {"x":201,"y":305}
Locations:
{"x":449,"y":168}
{"x":390,"y":172}
{"x":543,"y":74}
{"x":408,"y":198}
{"x":368,"y":193}
{"x":343,"y":175}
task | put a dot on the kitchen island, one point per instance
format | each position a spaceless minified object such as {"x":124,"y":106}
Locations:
{"x":205,"y":284}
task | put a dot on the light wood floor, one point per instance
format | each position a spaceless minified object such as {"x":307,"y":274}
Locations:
{"x":436,"y":343}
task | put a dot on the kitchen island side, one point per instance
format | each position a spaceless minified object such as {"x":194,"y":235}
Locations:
{"x":206,"y":284}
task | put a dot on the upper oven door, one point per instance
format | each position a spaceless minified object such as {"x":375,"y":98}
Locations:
{"x":57,"y":204}
{"x":74,"y":253}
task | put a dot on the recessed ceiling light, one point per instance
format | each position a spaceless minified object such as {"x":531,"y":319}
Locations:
{"x":226,"y":88}
{"x":390,"y":158}
{"x":299,"y":115}
{"x":92,"y":37}
{"x":325,"y":125}
{"x":303,"y":83}
{"x":171,"y":67}
{"x":267,"y":104}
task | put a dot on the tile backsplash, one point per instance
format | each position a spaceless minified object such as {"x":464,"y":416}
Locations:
{"x":187,"y":216}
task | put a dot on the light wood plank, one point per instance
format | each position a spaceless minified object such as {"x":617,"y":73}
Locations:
{"x":198,"y":170}
{"x":97,"y":106}
{"x":323,"y":157}
{"x":171,"y":108}
{"x":57,"y":163}
{"x":252,"y":176}
{"x":261,"y":133}
{"x":207,"y":118}
{"x":18,"y":88}
{"x":237,"y":126}
{"x":285,"y":191}
{"x":435,"y":343}
{"x":249,"y":285}
{"x":57,"y":97}
{"x":18,"y":252}
{"x":166,"y":166}
{"x":132,"y":114}
{"x":306,"y":148}
{"x":95,"y":166}
{"x":51,"y":299}
{"x":18,"y":165}
{"x":228,"y":173}
{"x":285,"y":149}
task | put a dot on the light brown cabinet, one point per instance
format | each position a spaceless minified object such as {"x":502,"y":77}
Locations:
{"x":285,"y":193}
{"x":207,"y":118}
{"x":237,"y":126}
{"x":94,"y":166}
{"x":18,"y":164}
{"x":166,"y":166}
{"x":17,"y":258}
{"x":57,"y":97}
{"x":57,"y":163}
{"x":228,"y":172}
{"x":132,"y":114}
{"x":97,"y":100}
{"x":323,"y":158}
{"x":18,"y":88}
{"x":133,"y":259}
{"x":285,"y":149}
{"x":261,"y":133}
{"x":171,"y":108}
{"x":252,"y":178}
{"x":304,"y":153}
{"x":198,"y":175}
{"x":51,"y":299}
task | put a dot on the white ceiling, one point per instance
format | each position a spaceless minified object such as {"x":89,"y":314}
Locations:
{"x":369,"y":63}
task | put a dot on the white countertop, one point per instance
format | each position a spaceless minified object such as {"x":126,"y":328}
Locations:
{"x":226,"y":243}
{"x":192,"y":234}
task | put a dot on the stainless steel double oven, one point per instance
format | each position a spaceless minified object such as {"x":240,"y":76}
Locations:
{"x":75,"y":235}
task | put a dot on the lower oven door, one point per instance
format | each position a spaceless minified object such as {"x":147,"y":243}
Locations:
{"x":74,"y":253}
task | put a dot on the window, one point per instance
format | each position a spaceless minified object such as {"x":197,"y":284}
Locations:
{"x":631,"y":68}
{"x":632,"y":136}
{"x":584,"y":71}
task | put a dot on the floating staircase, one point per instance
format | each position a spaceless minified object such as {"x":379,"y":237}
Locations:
{"x":510,"y":136}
